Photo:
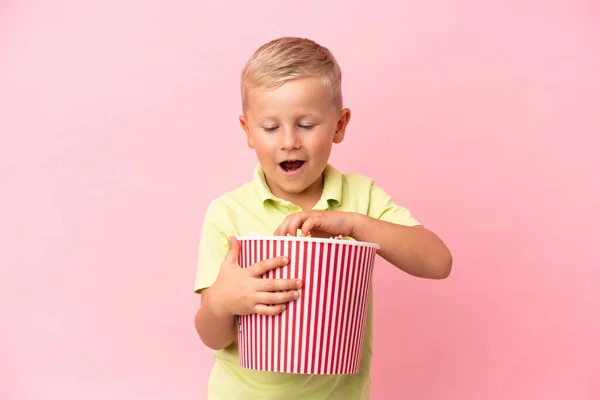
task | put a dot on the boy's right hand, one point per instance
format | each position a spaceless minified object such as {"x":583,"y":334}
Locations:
{"x":242,"y":291}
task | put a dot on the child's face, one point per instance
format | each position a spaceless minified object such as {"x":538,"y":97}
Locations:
{"x":292,"y":129}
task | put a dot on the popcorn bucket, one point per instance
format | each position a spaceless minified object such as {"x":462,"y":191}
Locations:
{"x":322,"y":331}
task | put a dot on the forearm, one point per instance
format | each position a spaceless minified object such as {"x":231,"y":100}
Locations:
{"x":216,"y":330}
{"x":414,"y":250}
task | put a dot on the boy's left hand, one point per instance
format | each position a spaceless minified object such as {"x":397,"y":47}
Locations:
{"x":319,"y":224}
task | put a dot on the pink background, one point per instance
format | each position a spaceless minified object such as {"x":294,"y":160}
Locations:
{"x":118,"y":123}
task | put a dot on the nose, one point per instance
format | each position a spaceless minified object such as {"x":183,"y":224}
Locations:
{"x":290,"y":140}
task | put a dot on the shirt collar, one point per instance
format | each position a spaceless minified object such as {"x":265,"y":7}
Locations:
{"x":332,"y":187}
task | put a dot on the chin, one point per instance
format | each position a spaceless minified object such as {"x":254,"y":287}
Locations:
{"x":294,"y":189}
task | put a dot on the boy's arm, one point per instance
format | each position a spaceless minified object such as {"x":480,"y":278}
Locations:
{"x":216,"y":329}
{"x":227,"y":290}
{"x":403,"y":241}
{"x":413,"y":249}
{"x":241,"y":291}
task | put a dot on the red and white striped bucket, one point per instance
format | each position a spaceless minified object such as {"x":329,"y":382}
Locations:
{"x":322,"y":332}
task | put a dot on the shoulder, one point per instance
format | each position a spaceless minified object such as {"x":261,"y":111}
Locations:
{"x":364,"y":191}
{"x":235,"y":196}
{"x":363,"y":186}
{"x":357,"y":184}
{"x":224,"y":206}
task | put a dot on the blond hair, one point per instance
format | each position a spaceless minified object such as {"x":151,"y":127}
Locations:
{"x":289,"y":58}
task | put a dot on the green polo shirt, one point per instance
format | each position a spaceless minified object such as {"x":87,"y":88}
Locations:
{"x":254,"y":209}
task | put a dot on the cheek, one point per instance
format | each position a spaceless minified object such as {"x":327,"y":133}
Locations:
{"x":263,"y":148}
{"x":321,"y":145}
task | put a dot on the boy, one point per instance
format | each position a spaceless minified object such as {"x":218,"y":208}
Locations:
{"x":292,"y":116}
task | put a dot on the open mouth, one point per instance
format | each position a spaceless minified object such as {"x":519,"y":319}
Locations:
{"x":291,"y":165}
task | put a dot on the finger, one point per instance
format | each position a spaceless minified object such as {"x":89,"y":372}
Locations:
{"x":264,"y":309}
{"x":310,"y":224}
{"x":283,"y":228}
{"x":273,"y":298}
{"x":276,"y":233}
{"x":265,"y":266}
{"x":294,"y":224}
{"x":275,"y":285}
{"x":234,"y":250}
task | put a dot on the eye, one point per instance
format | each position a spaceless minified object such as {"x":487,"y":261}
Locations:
{"x":270,"y":128}
{"x":306,"y":126}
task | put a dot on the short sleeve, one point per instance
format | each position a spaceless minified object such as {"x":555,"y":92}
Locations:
{"x":214,"y":245}
{"x":383,"y":207}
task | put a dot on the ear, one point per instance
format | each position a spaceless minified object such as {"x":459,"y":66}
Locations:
{"x":246,"y":128}
{"x":340,"y":130}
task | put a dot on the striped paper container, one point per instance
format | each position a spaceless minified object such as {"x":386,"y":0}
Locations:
{"x":322,"y":332}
